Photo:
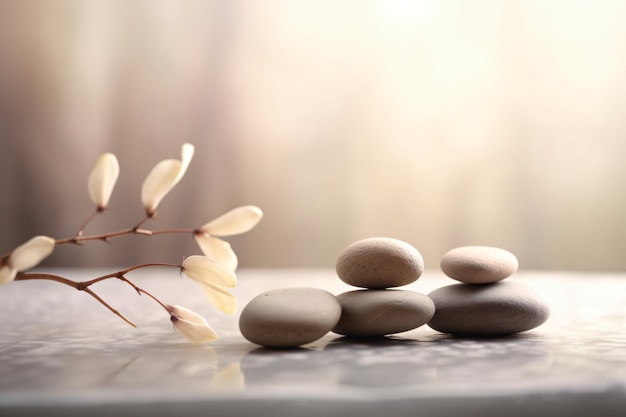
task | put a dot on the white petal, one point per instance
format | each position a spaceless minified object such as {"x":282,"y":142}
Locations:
{"x":102,"y":180}
{"x":29,"y":254}
{"x":186,"y":314}
{"x":186,"y":155}
{"x":7,"y":274}
{"x":191,"y":325}
{"x":205,"y":270}
{"x":158,"y":183}
{"x":220,"y":298}
{"x":236,"y":221}
{"x":195,"y":333}
{"x":218,"y":249}
{"x":163,"y":177}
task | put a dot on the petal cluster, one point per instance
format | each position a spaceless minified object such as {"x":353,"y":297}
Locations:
{"x":236,"y":221}
{"x":163,"y":177}
{"x":102,"y":180}
{"x":26,"y":256}
{"x":191,"y":325}
{"x":214,"y":277}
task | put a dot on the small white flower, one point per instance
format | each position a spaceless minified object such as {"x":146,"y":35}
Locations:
{"x":191,"y":325}
{"x":26,"y":256}
{"x":234,"y":222}
{"x":163,"y":177}
{"x":214,"y":277}
{"x":102,"y":180}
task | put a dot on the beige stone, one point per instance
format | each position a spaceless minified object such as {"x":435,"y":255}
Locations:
{"x":501,"y":308}
{"x":289,"y":317}
{"x":379,"y":262}
{"x":382,"y":312}
{"x":478,"y":264}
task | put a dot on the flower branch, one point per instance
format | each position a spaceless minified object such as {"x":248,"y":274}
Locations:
{"x":214,"y":271}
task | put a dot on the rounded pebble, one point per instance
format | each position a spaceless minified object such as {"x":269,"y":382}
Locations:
{"x":379,"y":262}
{"x":382,"y":312}
{"x":478,"y":264}
{"x":501,"y":308}
{"x":289,"y":317}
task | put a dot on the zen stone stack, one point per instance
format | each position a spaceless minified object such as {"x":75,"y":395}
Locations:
{"x":378,"y":264}
{"x":483,"y":304}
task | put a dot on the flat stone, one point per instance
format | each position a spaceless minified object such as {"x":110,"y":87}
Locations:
{"x":382,"y":312}
{"x":501,"y":308}
{"x":379,"y":263}
{"x":289,"y":317}
{"x":478,"y":264}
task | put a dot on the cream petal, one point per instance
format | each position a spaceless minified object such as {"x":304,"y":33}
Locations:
{"x":158,"y":183}
{"x":234,"y":222}
{"x":30,"y":253}
{"x":220,"y":298}
{"x":184,"y":313}
{"x":7,"y":274}
{"x":191,"y":325}
{"x":186,"y":155}
{"x":205,"y":270}
{"x":217,"y":249}
{"x":163,"y":177}
{"x":102,"y":180}
{"x":195,"y":333}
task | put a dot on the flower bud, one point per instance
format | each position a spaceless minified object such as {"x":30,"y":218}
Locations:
{"x":29,"y":254}
{"x":24,"y":257}
{"x":163,"y":177}
{"x":102,"y":180}
{"x":191,"y":325}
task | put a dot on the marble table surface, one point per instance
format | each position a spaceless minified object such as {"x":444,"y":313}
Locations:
{"x":62,"y":353}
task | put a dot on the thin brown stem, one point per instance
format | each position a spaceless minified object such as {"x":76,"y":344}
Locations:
{"x":117,"y":313}
{"x":120,"y":274}
{"x":87,"y":221}
{"x":77,"y":285}
{"x":105,"y":237}
{"x":168,"y":231}
{"x":145,"y":219}
{"x":84,"y":285}
{"x":142,"y":291}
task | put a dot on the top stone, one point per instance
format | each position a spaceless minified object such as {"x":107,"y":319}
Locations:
{"x":378,"y":263}
{"x":478,"y":264}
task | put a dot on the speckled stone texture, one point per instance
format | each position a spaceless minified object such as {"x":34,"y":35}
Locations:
{"x":379,"y":262}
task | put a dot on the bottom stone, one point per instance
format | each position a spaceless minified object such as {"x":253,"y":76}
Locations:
{"x":289,"y":317}
{"x":497,"y":309}
{"x":367,"y":313}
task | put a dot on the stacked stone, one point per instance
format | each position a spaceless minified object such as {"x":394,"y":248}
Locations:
{"x":290,"y":317}
{"x":483,"y":304}
{"x":376,"y":265}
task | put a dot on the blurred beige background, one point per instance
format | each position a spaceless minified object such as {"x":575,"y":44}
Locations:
{"x":442,"y":123}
